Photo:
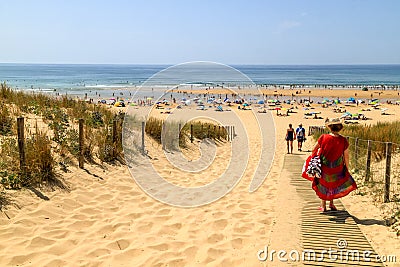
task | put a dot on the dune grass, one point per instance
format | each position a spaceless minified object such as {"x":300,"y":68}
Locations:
{"x":201,"y":130}
{"x":44,"y":149}
{"x":379,"y":133}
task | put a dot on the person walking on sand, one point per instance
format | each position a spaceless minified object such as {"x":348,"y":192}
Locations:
{"x":300,"y":136}
{"x":290,"y":136}
{"x":335,"y":180}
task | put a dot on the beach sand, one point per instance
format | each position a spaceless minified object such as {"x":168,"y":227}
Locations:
{"x":105,"y":219}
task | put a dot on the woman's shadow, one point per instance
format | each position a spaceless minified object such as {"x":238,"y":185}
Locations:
{"x":340,"y":216}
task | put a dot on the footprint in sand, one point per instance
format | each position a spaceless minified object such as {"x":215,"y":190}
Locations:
{"x":57,"y":234}
{"x":237,"y":243}
{"x":80,"y":225}
{"x":239,"y":215}
{"x":245,"y":206}
{"x":190,"y":252}
{"x":214,"y":238}
{"x":145,"y":227}
{"x":120,"y":244}
{"x":242,"y":230}
{"x":160,"y":247}
{"x":218,"y":214}
{"x":56,"y":262}
{"x":41,"y":242}
{"x":163,"y":212}
{"x":175,"y":226}
{"x":214,"y":253}
{"x":26,"y":223}
{"x":98,"y":253}
{"x":220,"y":224}
{"x":21,"y":259}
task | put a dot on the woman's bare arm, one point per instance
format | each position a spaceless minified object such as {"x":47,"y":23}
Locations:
{"x":346,"y":158}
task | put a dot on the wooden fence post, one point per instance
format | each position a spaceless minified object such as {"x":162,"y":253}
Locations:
{"x":356,"y":153}
{"x":387,"y":174}
{"x":81,"y":143}
{"x":21,"y":145}
{"x":368,"y":167}
{"x":163,"y":135}
{"x":114,"y":137}
{"x":191,"y":133}
{"x":143,"y":131}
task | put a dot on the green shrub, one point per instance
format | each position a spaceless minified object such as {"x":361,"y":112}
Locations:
{"x":10,"y":180}
{"x":6,"y":121}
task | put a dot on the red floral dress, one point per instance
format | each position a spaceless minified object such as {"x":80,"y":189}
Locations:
{"x":336,"y":181}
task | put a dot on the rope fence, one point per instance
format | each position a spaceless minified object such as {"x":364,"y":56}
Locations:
{"x":27,"y":128}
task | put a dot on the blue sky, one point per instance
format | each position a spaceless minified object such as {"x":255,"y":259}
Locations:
{"x":230,"y":32}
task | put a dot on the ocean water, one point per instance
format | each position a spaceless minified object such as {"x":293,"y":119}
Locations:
{"x":75,"y":79}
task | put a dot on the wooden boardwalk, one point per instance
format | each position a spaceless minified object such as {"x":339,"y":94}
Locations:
{"x":334,"y":231}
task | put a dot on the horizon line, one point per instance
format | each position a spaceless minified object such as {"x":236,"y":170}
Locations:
{"x":229,"y":64}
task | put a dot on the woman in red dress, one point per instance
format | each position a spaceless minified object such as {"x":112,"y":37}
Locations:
{"x":335,"y":181}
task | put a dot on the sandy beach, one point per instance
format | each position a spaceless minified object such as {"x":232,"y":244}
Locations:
{"x":105,"y":219}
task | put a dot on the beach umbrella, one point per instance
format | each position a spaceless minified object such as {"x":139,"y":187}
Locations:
{"x":149,"y":98}
{"x":346,"y":114}
{"x":260,"y":102}
{"x":245,"y":104}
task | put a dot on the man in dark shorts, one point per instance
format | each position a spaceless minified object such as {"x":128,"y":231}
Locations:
{"x":301,"y":136}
